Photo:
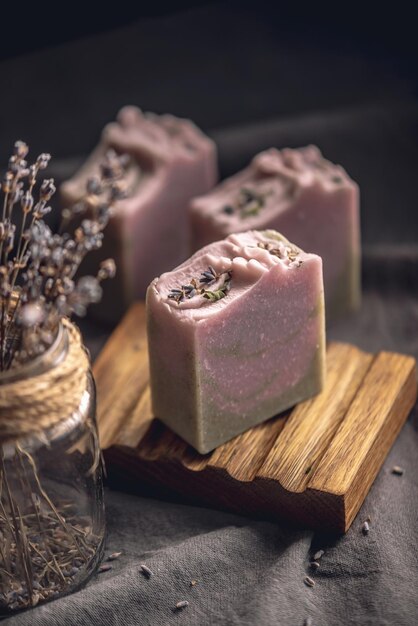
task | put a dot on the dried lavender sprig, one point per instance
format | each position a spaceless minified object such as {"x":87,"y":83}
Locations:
{"x":37,"y":285}
{"x":145,"y":570}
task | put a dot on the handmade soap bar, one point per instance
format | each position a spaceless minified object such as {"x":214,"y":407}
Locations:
{"x":236,"y":335}
{"x":171,"y":161}
{"x":310,"y":200}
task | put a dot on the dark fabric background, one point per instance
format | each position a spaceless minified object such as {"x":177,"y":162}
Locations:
{"x":362,"y":112}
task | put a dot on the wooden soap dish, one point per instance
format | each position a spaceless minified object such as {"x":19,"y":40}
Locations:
{"x":313,"y":465}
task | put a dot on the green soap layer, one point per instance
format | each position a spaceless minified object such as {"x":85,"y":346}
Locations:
{"x":345,"y":295}
{"x":218,"y":429}
{"x":201,"y":425}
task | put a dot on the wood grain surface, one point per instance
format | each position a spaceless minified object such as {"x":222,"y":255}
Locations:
{"x":312,"y":466}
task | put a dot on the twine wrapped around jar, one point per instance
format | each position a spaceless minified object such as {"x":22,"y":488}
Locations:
{"x":34,"y":404}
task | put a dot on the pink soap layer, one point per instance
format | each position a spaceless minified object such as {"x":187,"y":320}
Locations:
{"x":171,"y":161}
{"x":219,"y":367}
{"x":304,"y":196}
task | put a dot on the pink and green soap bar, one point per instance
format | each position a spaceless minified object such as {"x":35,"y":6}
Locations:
{"x":236,"y":335}
{"x":313,"y":202}
{"x":171,"y":161}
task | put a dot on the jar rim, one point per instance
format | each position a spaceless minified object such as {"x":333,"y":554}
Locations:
{"x":42,"y":363}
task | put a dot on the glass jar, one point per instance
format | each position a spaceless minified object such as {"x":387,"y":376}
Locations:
{"x":51,"y":499}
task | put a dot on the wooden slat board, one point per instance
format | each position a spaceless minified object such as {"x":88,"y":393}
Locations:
{"x":313,"y":465}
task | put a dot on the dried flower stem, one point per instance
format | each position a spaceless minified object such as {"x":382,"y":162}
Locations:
{"x":36,"y":510}
{"x":45,"y":544}
{"x":16,"y":530}
{"x":37,"y":284}
{"x":59,"y":517}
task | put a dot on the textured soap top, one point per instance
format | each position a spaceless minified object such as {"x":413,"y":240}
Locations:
{"x":272,"y":181}
{"x":223,"y":271}
{"x":164,"y":136}
{"x":152,"y":141}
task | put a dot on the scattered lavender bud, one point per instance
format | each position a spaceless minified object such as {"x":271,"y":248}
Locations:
{"x":104,"y":568}
{"x":318,"y":555}
{"x":146,"y":571}
{"x":365,"y":529}
{"x":397,"y":470}
{"x":314,"y":565}
{"x":114,"y":556}
{"x":181,"y":605}
{"x":309,"y":582}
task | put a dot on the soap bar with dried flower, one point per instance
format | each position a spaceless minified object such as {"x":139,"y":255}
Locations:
{"x":310,"y":200}
{"x":171,"y":161}
{"x":236,"y":335}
